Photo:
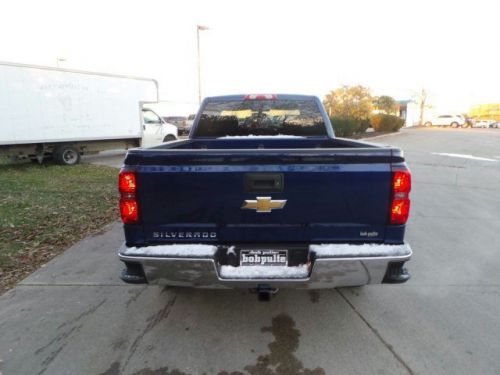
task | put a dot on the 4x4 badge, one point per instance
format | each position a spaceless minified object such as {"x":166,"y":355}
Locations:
{"x":264,"y":204}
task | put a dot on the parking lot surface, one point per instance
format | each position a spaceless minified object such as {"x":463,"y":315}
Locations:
{"x":74,"y":316}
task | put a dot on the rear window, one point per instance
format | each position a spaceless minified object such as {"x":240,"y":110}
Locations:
{"x":261,"y":117}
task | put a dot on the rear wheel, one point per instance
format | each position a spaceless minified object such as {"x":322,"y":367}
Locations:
{"x":169,"y":138}
{"x":67,"y":155}
{"x":454,"y":124}
{"x":428,"y":123}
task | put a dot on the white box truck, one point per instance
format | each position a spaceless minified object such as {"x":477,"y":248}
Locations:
{"x":61,"y":113}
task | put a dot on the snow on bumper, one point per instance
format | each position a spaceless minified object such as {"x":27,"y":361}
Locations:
{"x":332,"y":265}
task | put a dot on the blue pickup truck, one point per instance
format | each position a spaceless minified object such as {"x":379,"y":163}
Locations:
{"x":262,"y":195}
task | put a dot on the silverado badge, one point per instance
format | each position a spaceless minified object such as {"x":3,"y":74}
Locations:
{"x":264,"y":204}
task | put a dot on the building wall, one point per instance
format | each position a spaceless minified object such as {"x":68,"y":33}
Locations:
{"x":412,"y":114}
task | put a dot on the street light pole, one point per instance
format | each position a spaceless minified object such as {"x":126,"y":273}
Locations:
{"x":198,"y":29}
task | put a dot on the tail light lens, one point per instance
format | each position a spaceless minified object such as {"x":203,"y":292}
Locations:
{"x":401,"y":182}
{"x":127,"y":182}
{"x":129,"y":211}
{"x":400,"y":202}
{"x":129,"y":208}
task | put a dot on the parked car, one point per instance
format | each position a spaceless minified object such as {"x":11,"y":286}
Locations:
{"x":495,"y":125}
{"x":483,"y":123}
{"x":447,"y":120}
{"x":263,"y":196}
{"x":156,"y":130}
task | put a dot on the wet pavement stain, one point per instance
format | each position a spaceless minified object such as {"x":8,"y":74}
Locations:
{"x":314,"y":296}
{"x":160,"y":371}
{"x":114,"y":369}
{"x":281,"y":359}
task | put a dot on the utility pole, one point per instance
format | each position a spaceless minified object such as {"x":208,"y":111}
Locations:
{"x":422,"y":104}
{"x":198,"y":29}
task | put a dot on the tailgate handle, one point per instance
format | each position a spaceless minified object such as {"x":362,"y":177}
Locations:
{"x":263,"y":182}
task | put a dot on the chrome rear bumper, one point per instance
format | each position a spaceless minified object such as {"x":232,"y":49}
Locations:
{"x":331,"y":266}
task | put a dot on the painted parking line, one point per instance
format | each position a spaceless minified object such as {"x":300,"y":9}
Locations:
{"x":464,"y":156}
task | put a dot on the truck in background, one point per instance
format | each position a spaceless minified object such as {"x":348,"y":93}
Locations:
{"x":60,"y":113}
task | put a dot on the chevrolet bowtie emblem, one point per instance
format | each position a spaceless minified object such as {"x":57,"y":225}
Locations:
{"x":264,"y":204}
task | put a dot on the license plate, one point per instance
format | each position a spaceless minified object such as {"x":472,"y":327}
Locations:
{"x":263,"y":257}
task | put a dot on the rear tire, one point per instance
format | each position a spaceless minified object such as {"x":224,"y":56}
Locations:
{"x":428,"y":123}
{"x":169,"y":138}
{"x":66,"y":155}
{"x":454,"y":124}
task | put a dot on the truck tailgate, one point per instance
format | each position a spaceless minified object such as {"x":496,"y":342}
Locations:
{"x":330,"y":196}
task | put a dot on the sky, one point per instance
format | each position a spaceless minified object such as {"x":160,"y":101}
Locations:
{"x":450,"y":48}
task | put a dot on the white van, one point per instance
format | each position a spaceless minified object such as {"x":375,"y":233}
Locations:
{"x":155,"y":129}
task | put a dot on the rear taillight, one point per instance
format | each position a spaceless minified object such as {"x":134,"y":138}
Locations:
{"x":129,"y":211}
{"x":127,"y":182}
{"x":129,"y":208}
{"x":400,"y":202}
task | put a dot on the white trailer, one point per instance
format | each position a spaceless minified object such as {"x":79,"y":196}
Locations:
{"x":62,"y":113}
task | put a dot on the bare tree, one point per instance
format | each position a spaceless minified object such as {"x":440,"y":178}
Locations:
{"x":421,"y":99}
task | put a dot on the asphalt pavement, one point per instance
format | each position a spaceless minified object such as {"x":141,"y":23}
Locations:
{"x":74,"y":315}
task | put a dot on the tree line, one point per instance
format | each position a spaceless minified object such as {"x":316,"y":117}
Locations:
{"x":352,"y":109}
